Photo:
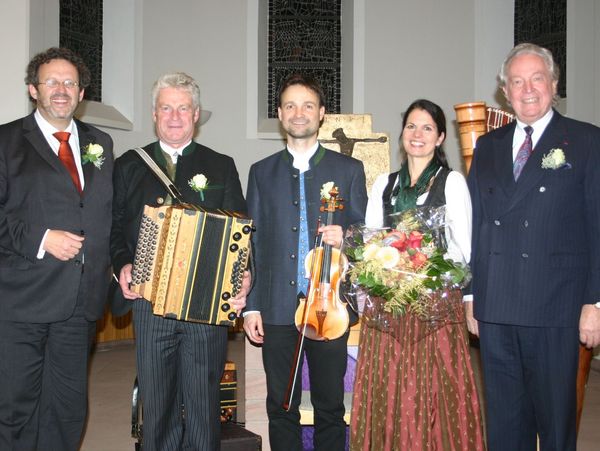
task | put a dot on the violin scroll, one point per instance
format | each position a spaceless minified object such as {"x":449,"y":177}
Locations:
{"x":333,"y":203}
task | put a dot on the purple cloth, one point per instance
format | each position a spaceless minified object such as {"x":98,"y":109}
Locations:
{"x":307,"y":438}
{"x":348,"y":378}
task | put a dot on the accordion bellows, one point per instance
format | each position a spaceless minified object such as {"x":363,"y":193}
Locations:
{"x":190,"y":262}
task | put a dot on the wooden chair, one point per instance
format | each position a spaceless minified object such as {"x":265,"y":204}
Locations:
{"x":474,"y":119}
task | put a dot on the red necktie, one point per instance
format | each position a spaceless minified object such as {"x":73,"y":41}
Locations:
{"x":66,"y":156}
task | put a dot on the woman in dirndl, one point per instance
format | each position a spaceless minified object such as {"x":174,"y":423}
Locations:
{"x":414,"y":387}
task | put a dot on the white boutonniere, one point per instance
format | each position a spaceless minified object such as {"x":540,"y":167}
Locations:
{"x":199,"y":183}
{"x":555,"y":159}
{"x":92,"y":153}
{"x":326,"y":190}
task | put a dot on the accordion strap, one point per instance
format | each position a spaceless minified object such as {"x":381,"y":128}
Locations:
{"x":160,"y":174}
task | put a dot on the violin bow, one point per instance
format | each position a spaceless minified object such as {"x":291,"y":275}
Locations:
{"x":289,"y":394}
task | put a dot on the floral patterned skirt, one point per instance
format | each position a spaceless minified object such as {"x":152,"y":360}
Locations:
{"x":414,"y":387}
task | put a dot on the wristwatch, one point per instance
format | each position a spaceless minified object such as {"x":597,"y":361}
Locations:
{"x":597,"y":305}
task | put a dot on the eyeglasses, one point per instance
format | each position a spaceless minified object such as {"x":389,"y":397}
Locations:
{"x":54,"y":83}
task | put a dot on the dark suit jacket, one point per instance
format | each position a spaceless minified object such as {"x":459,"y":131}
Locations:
{"x":536,"y":249}
{"x":135,"y":186}
{"x":273,"y":204}
{"x":36,"y":194}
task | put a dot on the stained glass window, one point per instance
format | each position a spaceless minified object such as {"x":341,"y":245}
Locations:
{"x":305,"y":36}
{"x":544,"y":22}
{"x":81,"y":31}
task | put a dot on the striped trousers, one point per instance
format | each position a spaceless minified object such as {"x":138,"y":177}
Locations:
{"x":179,"y":367}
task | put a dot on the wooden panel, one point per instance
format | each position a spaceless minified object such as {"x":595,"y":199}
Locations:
{"x":352,"y":135}
{"x":112,"y":328}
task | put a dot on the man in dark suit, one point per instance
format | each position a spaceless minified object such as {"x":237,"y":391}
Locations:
{"x":179,"y":363}
{"x":55,"y":204}
{"x":535,"y":187}
{"x":283,"y":199}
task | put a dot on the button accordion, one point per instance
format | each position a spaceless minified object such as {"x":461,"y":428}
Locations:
{"x":189,"y":262}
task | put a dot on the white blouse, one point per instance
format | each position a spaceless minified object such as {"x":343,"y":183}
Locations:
{"x":458,"y":213}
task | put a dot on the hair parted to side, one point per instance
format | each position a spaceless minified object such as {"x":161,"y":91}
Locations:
{"x":527,"y":48}
{"x":58,"y":53}
{"x":438,"y":116}
{"x":179,"y":80}
{"x":303,"y":80}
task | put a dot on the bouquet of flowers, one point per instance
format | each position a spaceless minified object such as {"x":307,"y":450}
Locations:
{"x":405,"y":267}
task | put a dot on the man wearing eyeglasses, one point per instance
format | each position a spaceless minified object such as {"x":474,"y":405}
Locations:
{"x":55,"y":218}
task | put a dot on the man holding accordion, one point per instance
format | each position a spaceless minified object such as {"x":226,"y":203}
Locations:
{"x":178,"y":362}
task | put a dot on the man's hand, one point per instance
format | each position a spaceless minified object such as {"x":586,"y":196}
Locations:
{"x":332,"y":235}
{"x":125,"y":280}
{"x":472,"y":323}
{"x":62,"y":245}
{"x":254,"y":327}
{"x":239,"y":301}
{"x":589,"y":326}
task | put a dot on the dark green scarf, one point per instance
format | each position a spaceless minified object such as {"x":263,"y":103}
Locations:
{"x":406,"y":195}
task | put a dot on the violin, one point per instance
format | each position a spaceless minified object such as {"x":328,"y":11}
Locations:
{"x":322,"y":315}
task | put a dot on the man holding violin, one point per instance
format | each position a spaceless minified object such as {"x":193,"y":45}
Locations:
{"x":284,"y":197}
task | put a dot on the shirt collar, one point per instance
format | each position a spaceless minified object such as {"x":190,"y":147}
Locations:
{"x":538,"y":128}
{"x":175,"y":153}
{"x":302,"y":159}
{"x":48,"y":131}
{"x":47,"y":127}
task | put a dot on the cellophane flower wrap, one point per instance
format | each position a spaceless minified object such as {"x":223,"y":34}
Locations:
{"x":405,"y":270}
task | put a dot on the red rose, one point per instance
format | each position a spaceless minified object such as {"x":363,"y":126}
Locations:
{"x":418,"y":259}
{"x":400,"y":240}
{"x":414,"y":239}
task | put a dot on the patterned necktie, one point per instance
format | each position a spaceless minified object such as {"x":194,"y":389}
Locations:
{"x":523,"y":153}
{"x":65,"y":153}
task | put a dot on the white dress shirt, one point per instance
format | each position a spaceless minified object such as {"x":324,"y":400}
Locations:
{"x":538,"y":128}
{"x":48,"y":131}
